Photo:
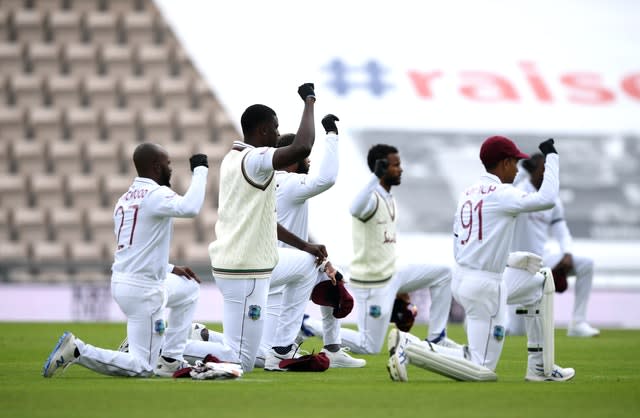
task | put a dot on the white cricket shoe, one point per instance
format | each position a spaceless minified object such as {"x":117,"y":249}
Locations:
{"x":582,"y":329}
{"x":397,"y":364}
{"x":273,"y":359}
{"x":199,"y":332}
{"x":62,"y":355}
{"x":124,"y":345}
{"x":167,"y":369}
{"x":557,"y":375}
{"x":342,"y":359}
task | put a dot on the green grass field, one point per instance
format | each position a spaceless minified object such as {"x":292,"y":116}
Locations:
{"x":607,"y":384}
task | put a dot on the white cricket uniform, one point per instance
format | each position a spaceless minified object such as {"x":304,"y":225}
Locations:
{"x":483,"y":229}
{"x":375,"y":280}
{"x":293,"y":191}
{"x":143,"y":224}
{"x":531,"y":234}
{"x":245,"y":258}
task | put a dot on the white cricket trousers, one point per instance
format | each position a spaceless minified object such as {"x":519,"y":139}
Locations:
{"x":374,"y":305}
{"x":146,"y":332}
{"x":290,"y":286}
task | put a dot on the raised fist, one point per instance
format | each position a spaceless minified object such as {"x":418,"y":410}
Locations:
{"x":380,"y":167}
{"x":306,"y":90}
{"x":547,"y":147}
{"x":198,"y":160}
{"x":329,"y":123}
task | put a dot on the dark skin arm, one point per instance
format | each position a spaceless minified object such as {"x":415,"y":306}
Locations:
{"x":317,"y":250}
{"x":186,"y":272}
{"x":302,"y":144}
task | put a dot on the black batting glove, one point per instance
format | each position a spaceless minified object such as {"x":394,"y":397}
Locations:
{"x":380,"y":167}
{"x":197,"y":160}
{"x":329,"y":123}
{"x":547,"y":147}
{"x":306,"y":90}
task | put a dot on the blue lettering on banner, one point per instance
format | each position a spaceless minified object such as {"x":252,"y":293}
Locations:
{"x":254,"y":312}
{"x":375,"y":311}
{"x":342,"y":80}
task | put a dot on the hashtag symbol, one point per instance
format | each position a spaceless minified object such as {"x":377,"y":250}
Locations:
{"x":342,"y":79}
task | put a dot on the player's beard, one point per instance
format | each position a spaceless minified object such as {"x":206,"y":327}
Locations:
{"x":165,"y":177}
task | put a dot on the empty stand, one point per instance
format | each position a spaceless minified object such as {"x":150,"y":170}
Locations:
{"x":138,"y":28}
{"x":26,"y":90}
{"x":68,"y":225}
{"x":31,"y":224}
{"x":84,"y":191}
{"x":64,"y":27}
{"x":13,"y":191}
{"x":120,"y":125}
{"x":100,"y":92}
{"x":114,"y":187}
{"x":103,"y":158}
{"x":100,"y":223}
{"x":45,"y":123}
{"x":11,"y":57}
{"x":138,"y":92}
{"x":174,"y":93}
{"x":29,"y":24}
{"x":157,"y":125}
{"x":116,"y":60}
{"x":43,"y":58}
{"x":102,"y":27}
{"x":153,"y":61}
{"x":30,"y":156}
{"x":196,"y":253}
{"x":47,"y":190}
{"x":65,"y":157}
{"x":193,"y":125}
{"x":82,"y":123}
{"x":80,"y":60}
{"x":12,"y":123}
{"x":62,"y":91}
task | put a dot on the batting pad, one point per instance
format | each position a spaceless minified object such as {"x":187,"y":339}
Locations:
{"x":548,"y":342}
{"x":452,"y":367}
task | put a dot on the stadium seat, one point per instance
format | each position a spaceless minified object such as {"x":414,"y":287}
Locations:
{"x":116,"y":60}
{"x":88,"y":253}
{"x":11,"y":57}
{"x":137,"y":92}
{"x":12,"y":123}
{"x":102,"y":27}
{"x":63,"y":91}
{"x":82,"y":123}
{"x":114,"y":187}
{"x":120,"y":125}
{"x":157,"y":125}
{"x":194,"y":125}
{"x":80,"y":60}
{"x":174,"y":93}
{"x":207,"y":219}
{"x":50,"y":261}
{"x":103,"y":157}
{"x":196,"y":253}
{"x":50,"y":6}
{"x":124,"y":6}
{"x":84,"y":191}
{"x":6,"y":224}
{"x":100,"y":226}
{"x":100,"y":92}
{"x":13,"y":251}
{"x":66,"y":157}
{"x":30,"y":156}
{"x":6,"y":163}
{"x":138,"y":28}
{"x":27,"y":90}
{"x":47,"y":190}
{"x":43,"y":59}
{"x":153,"y":61}
{"x":29,"y":24}
{"x":45,"y":123}
{"x":68,"y":225}
{"x":13,"y":191}
{"x":65,"y":26}
{"x":31,"y":224}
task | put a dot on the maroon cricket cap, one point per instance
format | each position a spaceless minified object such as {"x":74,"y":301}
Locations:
{"x":337,"y":296}
{"x":497,"y":148}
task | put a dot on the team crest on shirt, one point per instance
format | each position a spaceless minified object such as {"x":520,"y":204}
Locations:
{"x":375,"y":311}
{"x":498,"y":332}
{"x":254,"y":312}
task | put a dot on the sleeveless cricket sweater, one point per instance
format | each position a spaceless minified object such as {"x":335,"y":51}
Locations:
{"x":374,"y":246}
{"x":246,"y":230}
